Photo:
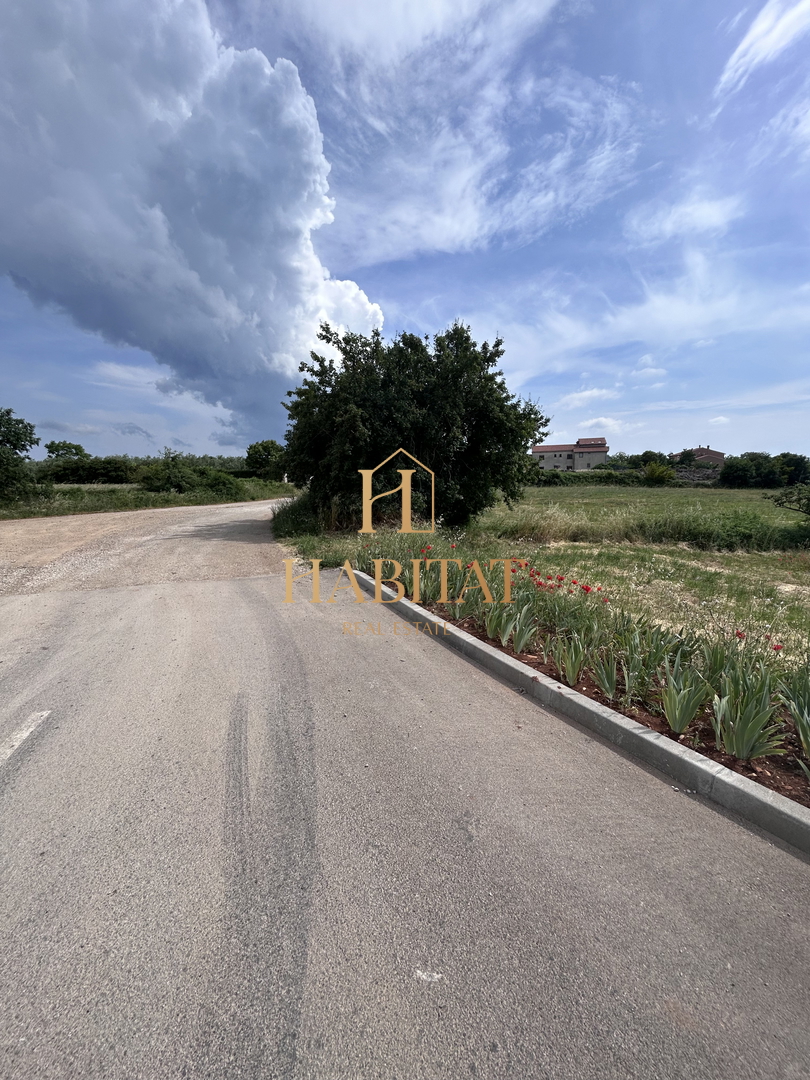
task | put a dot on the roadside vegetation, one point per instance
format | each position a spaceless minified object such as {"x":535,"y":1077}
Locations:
{"x":71,"y":481}
{"x":100,"y":498}
{"x":687,"y":610}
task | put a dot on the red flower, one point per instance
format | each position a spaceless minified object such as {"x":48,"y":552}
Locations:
{"x":604,"y":600}
{"x":574,"y":581}
{"x":776,"y":648}
{"x":598,"y":588}
{"x":428,"y":548}
{"x":422,"y":551}
{"x":585,"y":588}
{"x":740,"y":635}
{"x":549,"y":577}
{"x":452,"y":545}
{"x":560,"y":577}
{"x":767,"y":637}
{"x":469,"y":566}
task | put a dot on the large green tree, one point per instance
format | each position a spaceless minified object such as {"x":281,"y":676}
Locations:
{"x":752,"y":469}
{"x":443,"y":401}
{"x":17,"y":437}
{"x":266,"y":459}
{"x":66,"y":451}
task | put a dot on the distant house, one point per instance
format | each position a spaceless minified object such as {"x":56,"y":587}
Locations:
{"x":571,"y":457}
{"x":704,"y":454}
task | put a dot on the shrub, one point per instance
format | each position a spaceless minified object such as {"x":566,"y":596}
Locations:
{"x":655,"y":474}
{"x":298,"y":517}
{"x":222,"y":484}
{"x":170,"y":473}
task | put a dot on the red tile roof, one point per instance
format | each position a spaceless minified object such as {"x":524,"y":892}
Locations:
{"x":583,"y":445}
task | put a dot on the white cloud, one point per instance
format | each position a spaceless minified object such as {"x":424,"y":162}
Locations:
{"x":649,"y":372}
{"x":695,"y":215}
{"x":777,"y":26}
{"x":719,"y":420}
{"x":377,"y":33}
{"x":732,"y":23}
{"x":582,"y":397}
{"x":455,"y":143}
{"x":788,"y":130}
{"x":707,"y":301}
{"x":611,"y":424}
{"x":163,"y":190}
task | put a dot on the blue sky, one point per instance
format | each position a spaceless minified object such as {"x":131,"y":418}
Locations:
{"x":619,"y":190}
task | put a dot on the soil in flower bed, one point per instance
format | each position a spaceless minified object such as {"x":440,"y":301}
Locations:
{"x":779,"y":773}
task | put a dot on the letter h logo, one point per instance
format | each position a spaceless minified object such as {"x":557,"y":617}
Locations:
{"x":405,"y":487}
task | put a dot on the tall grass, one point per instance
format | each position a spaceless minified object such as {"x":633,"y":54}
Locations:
{"x":736,"y":529}
{"x":99,"y":498}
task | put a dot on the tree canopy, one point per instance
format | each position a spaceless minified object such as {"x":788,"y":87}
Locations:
{"x":795,"y":498}
{"x":758,"y":469}
{"x":66,"y":451}
{"x":266,"y":459}
{"x":17,"y":437}
{"x":443,"y":401}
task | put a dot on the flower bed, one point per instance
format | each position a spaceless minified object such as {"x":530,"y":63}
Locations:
{"x":735,"y":697}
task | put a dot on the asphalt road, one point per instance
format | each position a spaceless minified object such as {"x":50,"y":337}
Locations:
{"x":243,"y":844}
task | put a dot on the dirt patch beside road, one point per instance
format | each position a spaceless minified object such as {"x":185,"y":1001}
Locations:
{"x":92,"y":551}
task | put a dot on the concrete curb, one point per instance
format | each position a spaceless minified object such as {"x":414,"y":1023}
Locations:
{"x":770,"y":811}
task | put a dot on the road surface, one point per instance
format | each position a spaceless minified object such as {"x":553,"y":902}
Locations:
{"x":239,"y":843}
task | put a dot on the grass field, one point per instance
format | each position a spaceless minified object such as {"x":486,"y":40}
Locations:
{"x":600,"y":536}
{"x":100,"y":498}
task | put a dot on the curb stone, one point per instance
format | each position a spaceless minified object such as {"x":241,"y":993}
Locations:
{"x":767,"y":809}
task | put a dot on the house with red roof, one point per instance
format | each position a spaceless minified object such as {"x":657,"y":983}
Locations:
{"x":571,"y":457}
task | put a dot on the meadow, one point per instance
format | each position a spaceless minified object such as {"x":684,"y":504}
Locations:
{"x":650,"y":549}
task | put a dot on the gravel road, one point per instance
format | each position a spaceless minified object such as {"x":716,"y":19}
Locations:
{"x":241,"y":843}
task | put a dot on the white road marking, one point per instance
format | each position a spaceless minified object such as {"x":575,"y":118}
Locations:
{"x":428,"y":976}
{"x":8,"y":747}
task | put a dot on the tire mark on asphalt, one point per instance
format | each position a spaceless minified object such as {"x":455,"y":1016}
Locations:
{"x":270,"y":863}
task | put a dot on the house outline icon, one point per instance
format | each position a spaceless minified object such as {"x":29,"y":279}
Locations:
{"x":404,"y":487}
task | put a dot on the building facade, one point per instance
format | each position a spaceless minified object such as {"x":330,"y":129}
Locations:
{"x":704,"y":454}
{"x":571,"y":457}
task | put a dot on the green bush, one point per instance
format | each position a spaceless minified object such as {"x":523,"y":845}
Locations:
{"x":655,"y":474}
{"x":600,"y":474}
{"x":223,"y":485}
{"x":170,"y":473}
{"x":298,"y":517}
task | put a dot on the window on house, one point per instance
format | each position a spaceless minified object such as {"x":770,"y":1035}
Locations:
{"x":569,"y":455}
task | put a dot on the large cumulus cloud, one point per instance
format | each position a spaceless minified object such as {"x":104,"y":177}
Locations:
{"x":162,"y":190}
